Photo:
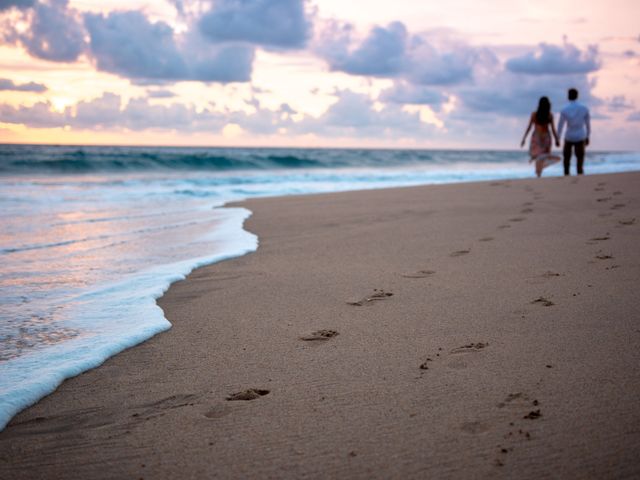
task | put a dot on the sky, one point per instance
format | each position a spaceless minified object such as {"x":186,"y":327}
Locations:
{"x":314,"y":73}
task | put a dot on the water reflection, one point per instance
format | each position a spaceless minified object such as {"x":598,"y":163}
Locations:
{"x":60,"y":236}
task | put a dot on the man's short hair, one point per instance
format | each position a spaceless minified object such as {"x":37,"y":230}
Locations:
{"x":573,"y":94}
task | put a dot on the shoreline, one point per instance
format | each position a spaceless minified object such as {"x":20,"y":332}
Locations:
{"x":358,"y":404}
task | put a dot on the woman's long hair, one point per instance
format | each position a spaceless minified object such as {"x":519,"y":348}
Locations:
{"x":544,"y":111}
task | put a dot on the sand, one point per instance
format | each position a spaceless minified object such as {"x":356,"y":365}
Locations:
{"x":486,"y":330}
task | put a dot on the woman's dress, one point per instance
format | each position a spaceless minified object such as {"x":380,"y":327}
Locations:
{"x":540,"y":147}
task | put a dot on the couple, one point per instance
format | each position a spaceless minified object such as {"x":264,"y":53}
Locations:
{"x":575,"y":116}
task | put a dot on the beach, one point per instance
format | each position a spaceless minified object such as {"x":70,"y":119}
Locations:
{"x":479,"y":330}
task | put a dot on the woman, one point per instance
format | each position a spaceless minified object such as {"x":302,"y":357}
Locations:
{"x":540,"y":148}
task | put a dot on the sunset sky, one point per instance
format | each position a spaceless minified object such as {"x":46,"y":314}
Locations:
{"x":365,"y":73}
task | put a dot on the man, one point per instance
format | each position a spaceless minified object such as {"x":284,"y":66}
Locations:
{"x":576,"y":117}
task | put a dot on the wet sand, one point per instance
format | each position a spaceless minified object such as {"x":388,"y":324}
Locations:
{"x":487,"y":330}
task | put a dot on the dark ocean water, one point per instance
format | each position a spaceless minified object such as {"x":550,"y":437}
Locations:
{"x":26,"y":159}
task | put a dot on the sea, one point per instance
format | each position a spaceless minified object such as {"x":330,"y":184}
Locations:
{"x":91,"y":236}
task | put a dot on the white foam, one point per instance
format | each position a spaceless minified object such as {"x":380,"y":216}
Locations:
{"x":112,"y":318}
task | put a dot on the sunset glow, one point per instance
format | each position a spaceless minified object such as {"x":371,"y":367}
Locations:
{"x":312,"y":73}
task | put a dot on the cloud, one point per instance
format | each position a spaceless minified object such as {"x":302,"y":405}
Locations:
{"x":512,"y":94}
{"x":556,"y":60}
{"x":382,"y":53}
{"x":6,"y":84}
{"x":271,"y":23}
{"x":406,"y":93}
{"x":153,"y":52}
{"x":619,"y":103}
{"x":101,"y":112}
{"x":160,"y":94}
{"x":20,"y":4}
{"x":634,"y":117}
{"x":39,"y":115}
{"x":55,"y":32}
{"x":430,"y":66}
{"x":354,"y":114}
{"x":127,"y":43}
{"x":109,"y":112}
{"x":263,"y":121}
{"x":431,"y":58}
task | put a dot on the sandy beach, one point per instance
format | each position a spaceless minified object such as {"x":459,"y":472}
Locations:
{"x":485,"y":330}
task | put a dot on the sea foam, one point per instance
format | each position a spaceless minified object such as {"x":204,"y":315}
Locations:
{"x":111,"y":317}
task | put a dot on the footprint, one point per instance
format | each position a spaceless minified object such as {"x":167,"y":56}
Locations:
{"x":85,"y":419}
{"x":603,"y":199}
{"x":486,"y":239}
{"x":604,"y":257}
{"x":474,"y":428}
{"x":459,"y":253}
{"x":218,"y":411}
{"x":601,"y":184}
{"x":419,"y":274}
{"x":518,"y":399}
{"x":471,"y":347}
{"x":627,"y":222}
{"x":377,"y":295}
{"x":425,"y":365}
{"x":543,"y":301}
{"x":617,"y":192}
{"x":526,"y":210}
{"x":457,"y":364}
{"x":599,"y":189}
{"x":319,"y":335}
{"x":517,"y":402}
{"x":161,"y":407}
{"x":517,"y":219}
{"x":504,"y":226}
{"x":527,"y":204}
{"x":173,"y":401}
{"x":605,"y":214}
{"x":550,"y":274}
{"x":533,"y":414}
{"x":600,"y":239}
{"x":250,"y":394}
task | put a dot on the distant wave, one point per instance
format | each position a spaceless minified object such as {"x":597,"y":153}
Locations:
{"x":16,"y":159}
{"x":69,"y":160}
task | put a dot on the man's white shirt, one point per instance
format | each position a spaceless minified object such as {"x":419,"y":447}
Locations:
{"x":576,"y":117}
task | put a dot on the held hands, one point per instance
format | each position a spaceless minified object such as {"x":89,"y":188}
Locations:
{"x":557,"y":143}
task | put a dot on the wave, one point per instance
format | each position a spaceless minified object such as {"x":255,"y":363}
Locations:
{"x":28,"y":159}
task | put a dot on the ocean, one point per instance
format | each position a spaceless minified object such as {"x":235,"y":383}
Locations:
{"x":91,"y":236}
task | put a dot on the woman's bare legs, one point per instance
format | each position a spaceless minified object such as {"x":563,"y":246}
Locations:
{"x":539,"y":164}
